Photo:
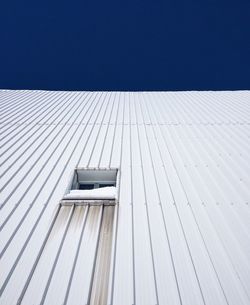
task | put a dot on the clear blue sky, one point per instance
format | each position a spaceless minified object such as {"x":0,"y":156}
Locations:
{"x":125,"y":45}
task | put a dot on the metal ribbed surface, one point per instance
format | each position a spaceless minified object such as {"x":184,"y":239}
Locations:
{"x":182,"y":231}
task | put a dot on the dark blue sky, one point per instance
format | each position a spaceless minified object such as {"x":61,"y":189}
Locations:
{"x":125,"y":45}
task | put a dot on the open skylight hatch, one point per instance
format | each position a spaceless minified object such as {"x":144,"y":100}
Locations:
{"x":95,"y":186}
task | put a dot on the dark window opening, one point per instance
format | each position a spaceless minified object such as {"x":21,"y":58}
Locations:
{"x":91,"y":186}
{"x":86,"y":186}
{"x":106,"y":185}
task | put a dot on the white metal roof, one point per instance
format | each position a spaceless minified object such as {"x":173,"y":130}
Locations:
{"x":182,"y":227}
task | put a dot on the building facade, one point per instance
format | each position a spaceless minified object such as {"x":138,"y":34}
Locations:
{"x":178,"y":231}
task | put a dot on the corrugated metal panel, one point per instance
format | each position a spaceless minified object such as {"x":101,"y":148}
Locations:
{"x":181,"y":233}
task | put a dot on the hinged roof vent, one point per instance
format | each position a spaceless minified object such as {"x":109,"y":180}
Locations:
{"x":93,"y":185}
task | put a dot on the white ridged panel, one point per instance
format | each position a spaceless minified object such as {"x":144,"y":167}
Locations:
{"x":182,"y":233}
